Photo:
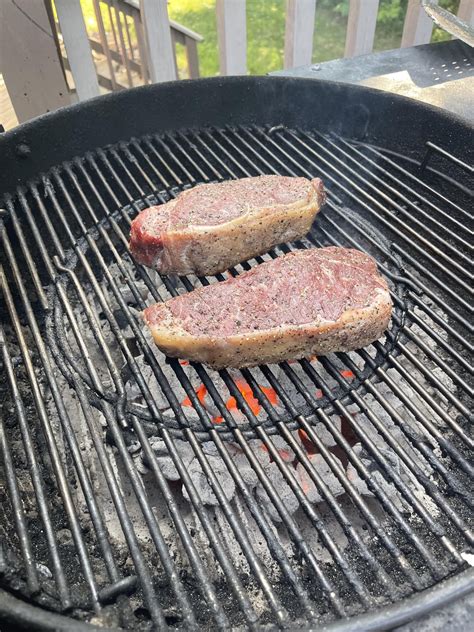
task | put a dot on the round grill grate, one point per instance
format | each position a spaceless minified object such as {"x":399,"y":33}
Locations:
{"x":134,"y":291}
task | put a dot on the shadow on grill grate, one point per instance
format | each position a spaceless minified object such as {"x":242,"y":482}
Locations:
{"x":302,"y":491}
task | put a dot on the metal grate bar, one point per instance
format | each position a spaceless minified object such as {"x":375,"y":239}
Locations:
{"x":46,"y":426}
{"x":360,"y":201}
{"x":413,"y":316}
{"x":431,"y":147}
{"x":438,"y":360}
{"x":412,"y":497}
{"x":422,"y":225}
{"x":237,"y":396}
{"x":384,"y":157}
{"x":109,"y":475}
{"x":307,"y":173}
{"x":459,"y":226}
{"x":117,"y":296}
{"x":426,"y":372}
{"x":38,"y":485}
{"x":400,"y":231}
{"x":11,"y":479}
{"x":417,"y":284}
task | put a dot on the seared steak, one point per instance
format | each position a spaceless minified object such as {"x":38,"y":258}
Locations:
{"x":307,"y":302}
{"x":212,"y":227}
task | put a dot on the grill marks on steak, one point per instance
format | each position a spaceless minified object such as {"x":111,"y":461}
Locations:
{"x":308,"y":301}
{"x":211,"y":227}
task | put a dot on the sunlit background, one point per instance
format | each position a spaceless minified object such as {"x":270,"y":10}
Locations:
{"x":265,"y":38}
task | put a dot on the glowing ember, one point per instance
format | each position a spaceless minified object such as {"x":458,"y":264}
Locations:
{"x":231,"y":403}
{"x":347,"y":374}
{"x":201,"y":392}
{"x":252,"y":402}
{"x":318,"y":393}
{"x":311,"y":358}
{"x":183,"y":362}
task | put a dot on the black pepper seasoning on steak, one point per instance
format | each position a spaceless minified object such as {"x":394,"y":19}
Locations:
{"x":307,"y":302}
{"x":212,"y":227}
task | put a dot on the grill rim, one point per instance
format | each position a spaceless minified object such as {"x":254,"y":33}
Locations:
{"x":36,"y":146}
{"x":410,"y":609}
{"x":354,"y":619}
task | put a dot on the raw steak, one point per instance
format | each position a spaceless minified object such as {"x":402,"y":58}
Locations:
{"x":212,"y":227}
{"x":307,"y":302}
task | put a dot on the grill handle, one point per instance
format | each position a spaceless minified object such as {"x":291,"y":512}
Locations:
{"x":448,"y":22}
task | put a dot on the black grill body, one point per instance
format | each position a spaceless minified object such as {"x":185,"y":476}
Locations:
{"x":145,"y":492}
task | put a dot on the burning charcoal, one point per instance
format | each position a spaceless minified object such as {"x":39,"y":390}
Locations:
{"x":281,"y":486}
{"x":260,"y":451}
{"x":134,"y":447}
{"x":209,"y":447}
{"x":375,"y":474}
{"x":164,"y":459}
{"x":43,"y":570}
{"x":134,"y":392}
{"x":323,"y":469}
{"x":384,"y":483}
{"x":140,"y":465}
{"x":129,"y":297}
{"x":155,"y":278}
{"x":357,"y":481}
{"x":392,"y":458}
{"x":326,"y":473}
{"x":307,"y":484}
{"x":323,"y":433}
{"x":64,"y":537}
{"x":202,"y":485}
{"x":246,"y":470}
{"x":283,"y":448}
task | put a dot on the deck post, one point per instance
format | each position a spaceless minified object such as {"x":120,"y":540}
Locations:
{"x":361,"y":25}
{"x":466,"y":11}
{"x":76,"y":42}
{"x":299,"y":30}
{"x":418,"y":26}
{"x":192,"y":56}
{"x":232,"y":36}
{"x":30,"y":61}
{"x":156,"y":24}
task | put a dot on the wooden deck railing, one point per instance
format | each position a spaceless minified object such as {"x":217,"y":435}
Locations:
{"x":139,"y":44}
{"x":122,"y":59}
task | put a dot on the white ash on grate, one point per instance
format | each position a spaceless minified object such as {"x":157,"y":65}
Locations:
{"x":164,"y":459}
{"x":203,"y":486}
{"x":384,"y":482}
{"x":283,"y":490}
{"x":246,"y":470}
{"x":323,"y":469}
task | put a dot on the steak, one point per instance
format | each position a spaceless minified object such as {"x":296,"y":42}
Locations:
{"x":307,"y":302}
{"x":212,"y":227}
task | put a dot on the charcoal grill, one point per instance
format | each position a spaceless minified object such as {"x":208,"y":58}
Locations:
{"x":143,"y":492}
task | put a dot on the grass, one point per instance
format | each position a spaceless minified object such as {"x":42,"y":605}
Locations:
{"x":266,"y":30}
